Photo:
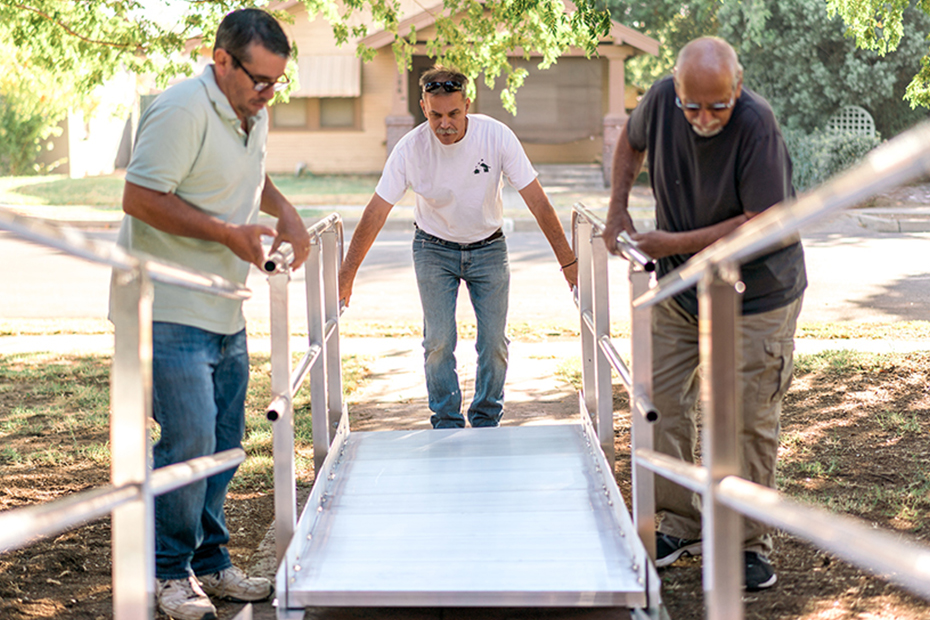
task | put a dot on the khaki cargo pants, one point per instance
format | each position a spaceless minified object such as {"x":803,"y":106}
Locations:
{"x":765,"y":367}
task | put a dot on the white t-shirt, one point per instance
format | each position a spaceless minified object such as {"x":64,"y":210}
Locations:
{"x":458,"y":186}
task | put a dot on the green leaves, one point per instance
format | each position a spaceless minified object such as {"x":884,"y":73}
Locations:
{"x":880,"y":25}
{"x":672,"y":22}
{"x":805,"y":65}
{"x":78,"y":45}
{"x":478,"y":37}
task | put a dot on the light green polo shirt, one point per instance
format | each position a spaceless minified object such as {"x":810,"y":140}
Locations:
{"x":191,"y":143}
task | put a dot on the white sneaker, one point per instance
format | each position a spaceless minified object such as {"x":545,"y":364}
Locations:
{"x":183,"y":599}
{"x":233,"y":584}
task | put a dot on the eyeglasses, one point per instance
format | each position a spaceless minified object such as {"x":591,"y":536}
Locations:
{"x":710,"y":107}
{"x":260,"y":85}
{"x":450,"y":86}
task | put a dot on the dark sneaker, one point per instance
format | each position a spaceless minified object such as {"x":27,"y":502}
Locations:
{"x":759,"y":572}
{"x":669,"y":548}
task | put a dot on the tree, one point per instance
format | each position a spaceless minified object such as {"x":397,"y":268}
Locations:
{"x":881,"y":26}
{"x":799,"y":58}
{"x":794,"y":53}
{"x":91,"y":39}
{"x":79,"y":44}
{"x":670,"y":22}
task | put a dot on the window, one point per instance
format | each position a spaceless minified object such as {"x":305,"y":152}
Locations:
{"x":317,"y":114}
{"x":337,"y":112}
{"x":290,"y":115}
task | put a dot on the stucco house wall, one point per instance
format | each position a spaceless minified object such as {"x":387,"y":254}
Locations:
{"x":386,"y":106}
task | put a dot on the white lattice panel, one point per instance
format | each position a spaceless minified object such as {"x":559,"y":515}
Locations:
{"x":852,"y":119}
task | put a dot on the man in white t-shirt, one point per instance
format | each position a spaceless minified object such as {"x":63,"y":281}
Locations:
{"x":454,"y":163}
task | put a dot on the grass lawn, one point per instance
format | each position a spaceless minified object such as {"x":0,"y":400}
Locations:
{"x":106,"y":192}
{"x":854,"y":440}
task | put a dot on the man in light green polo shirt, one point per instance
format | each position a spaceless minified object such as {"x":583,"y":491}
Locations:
{"x":194,"y":187}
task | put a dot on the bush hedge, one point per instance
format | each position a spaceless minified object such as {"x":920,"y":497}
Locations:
{"x":820,"y":155}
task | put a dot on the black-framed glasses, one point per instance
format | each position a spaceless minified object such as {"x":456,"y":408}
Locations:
{"x":710,"y":107}
{"x":260,"y":85}
{"x":450,"y":86}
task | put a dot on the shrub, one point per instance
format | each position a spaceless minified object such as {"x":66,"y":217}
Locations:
{"x":24,"y":132}
{"x":820,"y":155}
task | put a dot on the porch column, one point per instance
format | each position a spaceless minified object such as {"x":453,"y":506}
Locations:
{"x":400,"y":121}
{"x":616,"y":110}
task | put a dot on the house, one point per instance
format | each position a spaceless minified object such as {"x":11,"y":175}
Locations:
{"x":346,"y":116}
{"x":99,"y":140}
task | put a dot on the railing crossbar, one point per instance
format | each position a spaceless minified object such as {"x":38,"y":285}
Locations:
{"x":75,"y":243}
{"x":625,"y":244}
{"x":166,"y":479}
{"x":21,"y":526}
{"x":303,"y":366}
{"x":877,"y":551}
{"x":882,"y":553}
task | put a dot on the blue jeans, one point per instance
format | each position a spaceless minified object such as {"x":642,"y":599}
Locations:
{"x":199,"y":381}
{"x":440,"y":267}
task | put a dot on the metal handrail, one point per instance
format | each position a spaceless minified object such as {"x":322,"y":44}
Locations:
{"x":896,"y":162}
{"x":75,"y":243}
{"x":129,"y":496}
{"x":625,"y":244}
{"x":20,"y":527}
{"x":279,"y":260}
{"x":884,"y":554}
{"x":727,"y":497}
{"x":320,"y":362}
{"x":170,"y":477}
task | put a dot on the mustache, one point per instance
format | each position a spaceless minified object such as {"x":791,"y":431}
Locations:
{"x":447,"y":132}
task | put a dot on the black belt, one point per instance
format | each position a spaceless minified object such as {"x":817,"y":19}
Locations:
{"x":497,"y":234}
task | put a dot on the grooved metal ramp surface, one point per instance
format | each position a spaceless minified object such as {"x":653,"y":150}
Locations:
{"x":510,"y":516}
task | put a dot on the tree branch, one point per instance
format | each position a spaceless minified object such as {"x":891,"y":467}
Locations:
{"x":69,"y":30}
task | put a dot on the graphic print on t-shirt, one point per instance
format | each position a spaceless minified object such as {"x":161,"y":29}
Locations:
{"x":482,"y":167}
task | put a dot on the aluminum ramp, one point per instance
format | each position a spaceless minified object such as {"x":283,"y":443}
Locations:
{"x":512,"y":516}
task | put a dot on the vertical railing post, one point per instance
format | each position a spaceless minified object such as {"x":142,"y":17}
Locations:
{"x":133,"y":538}
{"x":316,"y":332}
{"x":583,"y":232}
{"x":600,"y":297}
{"x":285,"y":495}
{"x":722,"y":527}
{"x":331,"y":263}
{"x":641,"y":430}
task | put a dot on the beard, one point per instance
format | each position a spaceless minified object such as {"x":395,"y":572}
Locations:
{"x":708,"y":131}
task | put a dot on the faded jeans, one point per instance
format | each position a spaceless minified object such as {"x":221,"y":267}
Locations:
{"x":440,"y":267}
{"x":199,"y":381}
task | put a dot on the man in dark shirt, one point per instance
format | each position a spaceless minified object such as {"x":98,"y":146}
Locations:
{"x":716,"y":159}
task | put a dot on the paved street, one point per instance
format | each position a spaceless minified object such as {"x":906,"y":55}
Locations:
{"x":855,"y":275}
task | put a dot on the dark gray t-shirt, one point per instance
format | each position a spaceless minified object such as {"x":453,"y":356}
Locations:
{"x":699,"y":182}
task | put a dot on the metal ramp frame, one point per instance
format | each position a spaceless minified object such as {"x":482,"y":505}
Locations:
{"x":526,"y":516}
{"x":511,"y":516}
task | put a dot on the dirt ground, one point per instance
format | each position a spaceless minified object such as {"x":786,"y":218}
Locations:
{"x":858,"y":439}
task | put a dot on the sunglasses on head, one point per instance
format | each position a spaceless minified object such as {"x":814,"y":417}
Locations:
{"x":450,"y":86}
